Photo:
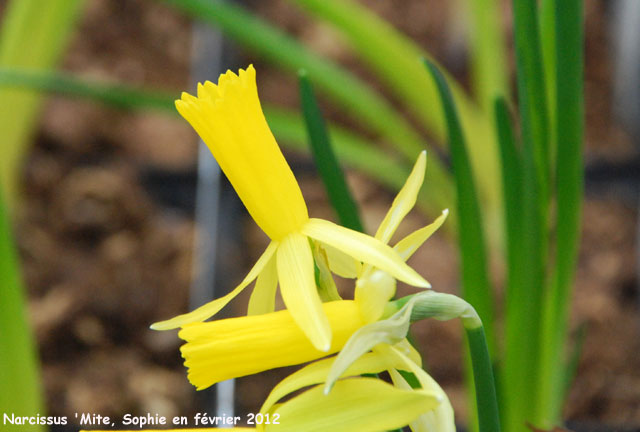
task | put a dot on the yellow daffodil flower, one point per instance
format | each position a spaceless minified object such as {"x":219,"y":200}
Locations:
{"x":262,"y":342}
{"x":229,"y":118}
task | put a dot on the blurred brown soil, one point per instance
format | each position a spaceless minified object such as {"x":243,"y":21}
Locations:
{"x":102,"y":260}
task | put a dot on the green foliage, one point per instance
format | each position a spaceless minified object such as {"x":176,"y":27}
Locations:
{"x":19,"y":376}
{"x":325,"y":159}
{"x":33,"y":36}
{"x":546,"y":168}
{"x":476,"y":288}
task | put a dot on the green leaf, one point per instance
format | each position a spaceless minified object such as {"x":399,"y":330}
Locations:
{"x":512,"y":192}
{"x":486,"y":398}
{"x":487,"y":51}
{"x":287,"y":126}
{"x":19,"y":376}
{"x":569,"y":92}
{"x":117,"y":96}
{"x":325,"y":159}
{"x":396,"y":60}
{"x":33,"y":35}
{"x":476,"y":287}
{"x":473,"y":266}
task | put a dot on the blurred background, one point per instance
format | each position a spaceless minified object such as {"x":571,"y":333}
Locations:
{"x":105,"y":220}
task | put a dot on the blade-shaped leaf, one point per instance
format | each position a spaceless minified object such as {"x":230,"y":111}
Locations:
{"x":287,"y":126}
{"x":325,"y":159}
{"x":19,"y":380}
{"x":569,"y":119}
{"x":396,"y":60}
{"x":33,"y":34}
{"x":475,"y":277}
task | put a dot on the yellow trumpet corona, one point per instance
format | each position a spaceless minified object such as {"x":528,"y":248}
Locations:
{"x":235,"y":347}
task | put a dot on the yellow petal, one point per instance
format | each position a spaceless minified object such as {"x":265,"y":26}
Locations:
{"x":229,"y":119}
{"x":236,"y":347}
{"x":342,"y":264}
{"x":408,"y":245}
{"x":298,"y":288}
{"x":263,"y":297}
{"x":404,"y":201}
{"x":441,"y":418}
{"x":389,"y":331}
{"x":355,"y":405}
{"x":175,"y":430}
{"x":373,"y":292}
{"x":363,"y":248}
{"x":210,"y":309}
{"x":316,"y":372}
{"x":405,"y":347}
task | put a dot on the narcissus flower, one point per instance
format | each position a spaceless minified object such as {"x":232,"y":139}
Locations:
{"x":229,"y":118}
{"x":262,"y":342}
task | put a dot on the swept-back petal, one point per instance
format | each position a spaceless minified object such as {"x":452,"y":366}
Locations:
{"x":298,"y":288}
{"x":263,"y":297}
{"x":389,"y":331}
{"x":441,"y":418}
{"x":235,"y":347}
{"x":363,"y":248}
{"x":408,"y":245}
{"x":229,"y":118}
{"x":404,"y":201}
{"x":356,"y":404}
{"x":213,"y":307}
{"x":316,"y":372}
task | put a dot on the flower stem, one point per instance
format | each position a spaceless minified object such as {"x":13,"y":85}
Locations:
{"x":486,"y":399}
{"x":444,"y":307}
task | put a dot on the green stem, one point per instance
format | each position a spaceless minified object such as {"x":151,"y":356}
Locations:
{"x":445,"y":307}
{"x":486,"y":399}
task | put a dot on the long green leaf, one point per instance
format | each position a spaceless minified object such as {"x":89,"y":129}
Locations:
{"x":487,"y":51}
{"x":325,"y":159}
{"x":569,"y":92}
{"x":532,"y":91}
{"x":548,"y":47}
{"x":525,"y":297}
{"x":473,"y":263}
{"x":287,"y":126}
{"x":395,"y":59}
{"x":117,"y":96}
{"x":33,"y":35}
{"x":512,"y":192}
{"x":485,"y":384}
{"x":476,"y":288}
{"x":19,"y":377}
